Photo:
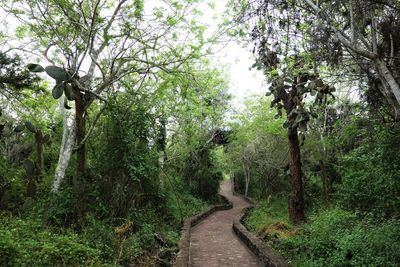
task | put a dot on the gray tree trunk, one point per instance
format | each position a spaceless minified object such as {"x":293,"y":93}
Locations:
{"x":388,"y":77}
{"x":67,"y":144}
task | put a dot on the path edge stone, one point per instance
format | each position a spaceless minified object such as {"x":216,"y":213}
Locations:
{"x":183,"y":257}
{"x":265,"y":254}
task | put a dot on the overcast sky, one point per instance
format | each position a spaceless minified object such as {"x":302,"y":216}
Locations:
{"x":238,"y":60}
{"x":243,"y":82}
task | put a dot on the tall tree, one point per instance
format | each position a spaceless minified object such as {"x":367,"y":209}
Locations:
{"x":293,"y":76}
{"x":92,"y":45}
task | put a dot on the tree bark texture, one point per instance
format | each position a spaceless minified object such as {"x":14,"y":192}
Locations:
{"x":296,"y":198}
{"x":66,"y":148}
{"x":80,"y":126}
{"x":384,"y":72}
{"x":39,"y":151}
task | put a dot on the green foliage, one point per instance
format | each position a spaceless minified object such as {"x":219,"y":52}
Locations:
{"x":180,"y":203}
{"x":258,"y":146}
{"x":201,"y":174}
{"x":266,"y":212}
{"x":125,"y":171}
{"x":152,"y":158}
{"x":157,"y":115}
{"x":139,"y":7}
{"x":337,"y":238}
{"x":27,"y":242}
{"x":61,"y":212}
{"x":13,"y":77}
{"x":12,"y":187}
{"x":370,"y":174}
{"x":142,"y":226}
{"x":101,"y":237}
{"x":359,"y":228}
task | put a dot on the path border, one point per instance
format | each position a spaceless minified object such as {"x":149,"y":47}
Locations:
{"x":265,"y":254}
{"x":183,"y":257}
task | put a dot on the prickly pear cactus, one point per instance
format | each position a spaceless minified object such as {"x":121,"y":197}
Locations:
{"x":63,"y":81}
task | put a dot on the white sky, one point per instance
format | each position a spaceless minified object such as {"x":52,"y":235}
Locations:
{"x":238,"y":60}
{"x":243,"y":81}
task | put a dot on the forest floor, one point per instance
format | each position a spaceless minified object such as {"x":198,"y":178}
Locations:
{"x":213,"y":242}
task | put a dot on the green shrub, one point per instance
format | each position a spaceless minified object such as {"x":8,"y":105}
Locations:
{"x":101,"y":237}
{"x":370,"y":175}
{"x":57,"y":209}
{"x":268,"y":212}
{"x":8,"y":252}
{"x":27,"y":243}
{"x":201,"y":173}
{"x":12,"y":186}
{"x":180,"y":204}
{"x":337,"y":238}
{"x":130,"y":249}
{"x":135,"y":245}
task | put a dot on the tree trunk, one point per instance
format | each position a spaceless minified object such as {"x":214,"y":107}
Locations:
{"x":247,"y":179}
{"x":39,"y":151}
{"x":67,"y":144}
{"x":385,"y":73}
{"x":80,"y":132}
{"x":321,"y":162}
{"x":31,"y":187}
{"x":80,"y":128}
{"x":296,"y":198}
{"x":324,"y":182}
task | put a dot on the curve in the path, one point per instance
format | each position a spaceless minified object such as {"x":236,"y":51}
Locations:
{"x":213,"y":242}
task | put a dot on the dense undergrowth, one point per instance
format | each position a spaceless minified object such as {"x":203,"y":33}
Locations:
{"x":45,"y":236}
{"x":331,"y":237}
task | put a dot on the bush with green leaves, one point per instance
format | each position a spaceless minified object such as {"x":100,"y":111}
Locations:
{"x":258,"y":149}
{"x":26,"y":242}
{"x":370,"y":174}
{"x":124,"y":169}
{"x":12,"y":187}
{"x":101,"y":237}
{"x":201,"y":174}
{"x":268,"y":211}
{"x":180,"y":204}
{"x":336,"y":237}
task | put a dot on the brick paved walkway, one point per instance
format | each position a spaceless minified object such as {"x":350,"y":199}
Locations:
{"x":213,"y":242}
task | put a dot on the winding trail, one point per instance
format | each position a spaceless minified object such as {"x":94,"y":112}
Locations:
{"x":213,"y":242}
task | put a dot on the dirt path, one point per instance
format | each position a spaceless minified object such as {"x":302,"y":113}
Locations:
{"x":213,"y":242}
